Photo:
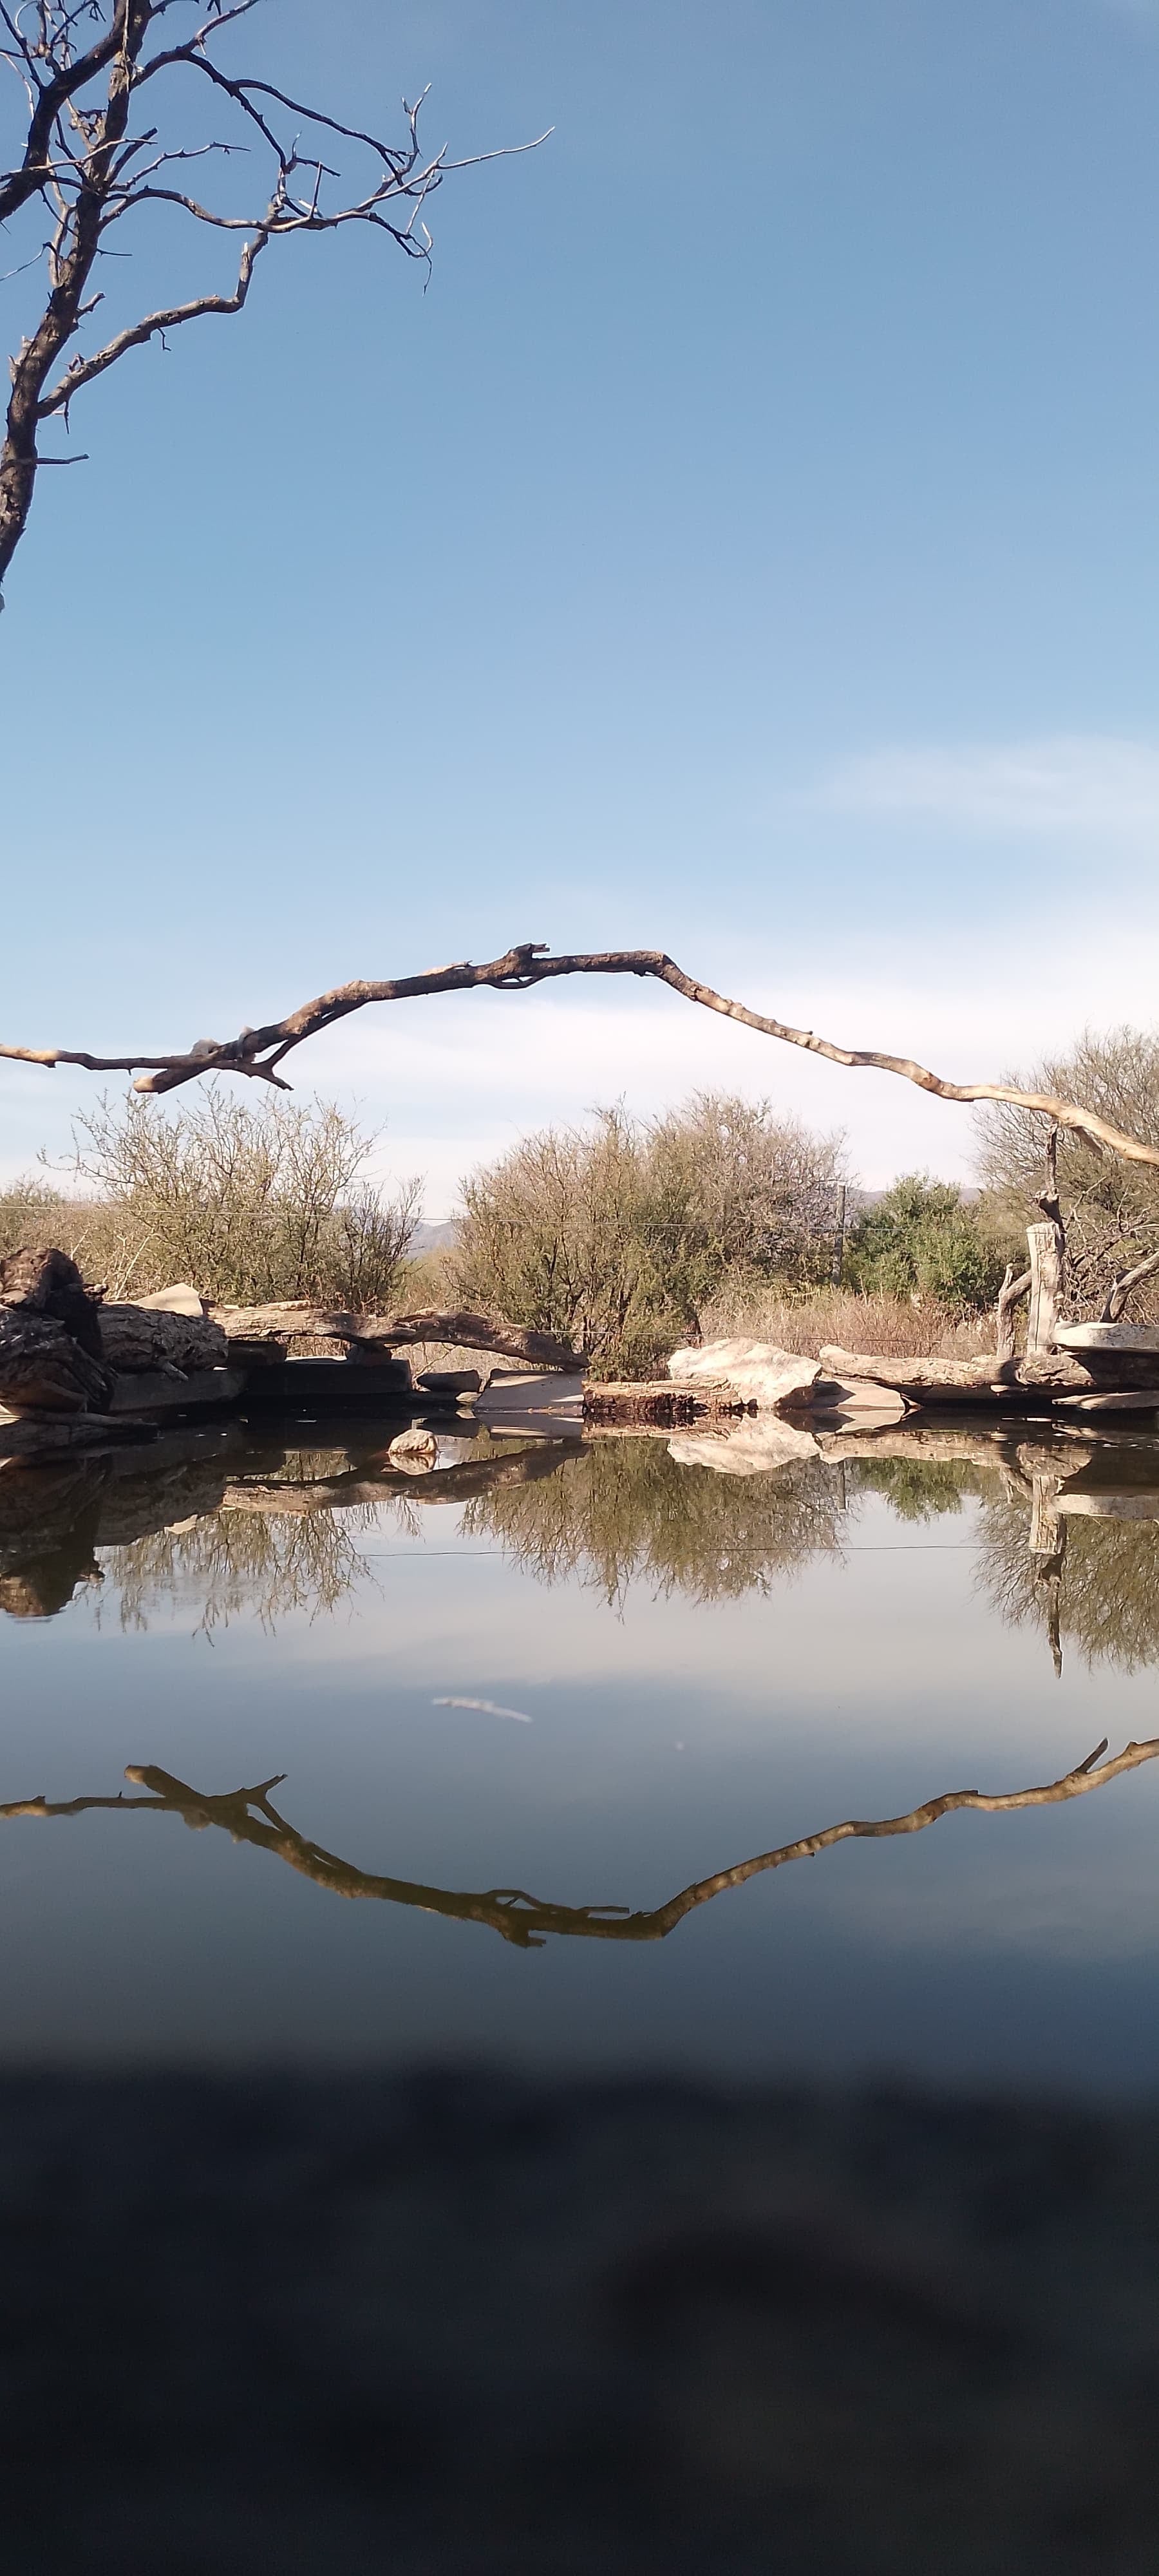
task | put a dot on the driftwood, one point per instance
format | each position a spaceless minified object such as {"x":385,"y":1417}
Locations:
{"x":661,"y":1400}
{"x":40,"y":1280}
{"x":1010,"y":1295}
{"x":44,"y":1370}
{"x":258,"y":1052}
{"x":470,"y":1332}
{"x":958,"y":1380}
{"x":136,"y":1339}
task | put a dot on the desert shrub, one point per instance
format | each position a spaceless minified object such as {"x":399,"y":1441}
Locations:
{"x":614,"y":1235}
{"x":735,"y":1186}
{"x":560,"y":1234}
{"x":249,"y":1203}
{"x":1110,"y":1208}
{"x":921,"y":1239}
{"x":30,"y":1212}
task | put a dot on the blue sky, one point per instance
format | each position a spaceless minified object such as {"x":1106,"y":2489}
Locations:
{"x":747,"y":546}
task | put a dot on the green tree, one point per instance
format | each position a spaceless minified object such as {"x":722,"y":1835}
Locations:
{"x":921,"y":1239}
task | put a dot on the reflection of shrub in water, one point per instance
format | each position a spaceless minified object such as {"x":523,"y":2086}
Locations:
{"x":1107,"y":1589}
{"x":917,"y":1489}
{"x":622,"y":1511}
{"x":234,"y":1562}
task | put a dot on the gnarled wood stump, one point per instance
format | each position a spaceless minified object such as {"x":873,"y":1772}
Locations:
{"x":43,"y":1368}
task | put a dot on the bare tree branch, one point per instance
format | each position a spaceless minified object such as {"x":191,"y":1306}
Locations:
{"x":1120,"y":1288}
{"x":258,"y":1052}
{"x":84,"y":163}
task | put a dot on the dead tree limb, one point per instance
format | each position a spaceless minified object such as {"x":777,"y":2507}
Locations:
{"x":1120,"y":1288}
{"x":1010,"y":1295}
{"x":467,"y":1331}
{"x":963,"y":1381}
{"x":258,"y":1052}
{"x":95,"y":154}
{"x":249,"y":1816}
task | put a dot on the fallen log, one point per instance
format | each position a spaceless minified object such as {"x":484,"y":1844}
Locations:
{"x":956,"y":1381}
{"x":295,"y":1319}
{"x":137,"y":1339}
{"x":44,"y":1370}
{"x":461,"y":1482}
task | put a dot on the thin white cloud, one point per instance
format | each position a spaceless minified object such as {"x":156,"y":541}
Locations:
{"x":1084,"y":787}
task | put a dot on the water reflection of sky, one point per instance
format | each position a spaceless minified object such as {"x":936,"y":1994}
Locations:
{"x":712,"y":1666}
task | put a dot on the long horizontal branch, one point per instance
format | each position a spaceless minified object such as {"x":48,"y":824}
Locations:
{"x":297,"y":1320}
{"x":259,"y":1052}
{"x":525,"y":1919}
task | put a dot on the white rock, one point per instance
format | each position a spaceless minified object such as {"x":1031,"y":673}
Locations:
{"x":179,"y":1300}
{"x":866,"y":1398}
{"x":766,"y":1376}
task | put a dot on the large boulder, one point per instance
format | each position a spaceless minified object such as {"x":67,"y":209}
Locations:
{"x":773,"y":1380}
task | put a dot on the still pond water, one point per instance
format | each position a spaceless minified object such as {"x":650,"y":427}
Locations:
{"x":546,"y":1681}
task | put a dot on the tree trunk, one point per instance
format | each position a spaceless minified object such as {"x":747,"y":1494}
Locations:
{"x":1047,"y":1263}
{"x":1010,"y":1293}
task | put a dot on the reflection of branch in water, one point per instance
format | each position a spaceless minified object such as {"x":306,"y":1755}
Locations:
{"x":1101,"y":1596}
{"x":248,"y":1816}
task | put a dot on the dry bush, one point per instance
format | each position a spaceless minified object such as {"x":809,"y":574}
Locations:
{"x":896,"y":1327}
{"x":30,"y":1212}
{"x":248,"y":1203}
{"x":614,"y":1235}
{"x":1110,"y":1208}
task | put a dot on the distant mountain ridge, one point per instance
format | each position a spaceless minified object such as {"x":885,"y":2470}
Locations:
{"x":434,"y":1238}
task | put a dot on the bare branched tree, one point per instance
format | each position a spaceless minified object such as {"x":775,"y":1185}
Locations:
{"x":110,"y":131}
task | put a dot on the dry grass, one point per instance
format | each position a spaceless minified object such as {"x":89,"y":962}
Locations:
{"x":896,"y":1327}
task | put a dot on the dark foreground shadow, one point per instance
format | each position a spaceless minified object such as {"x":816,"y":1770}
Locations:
{"x":249,"y":1816}
{"x":459,"y":2325}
